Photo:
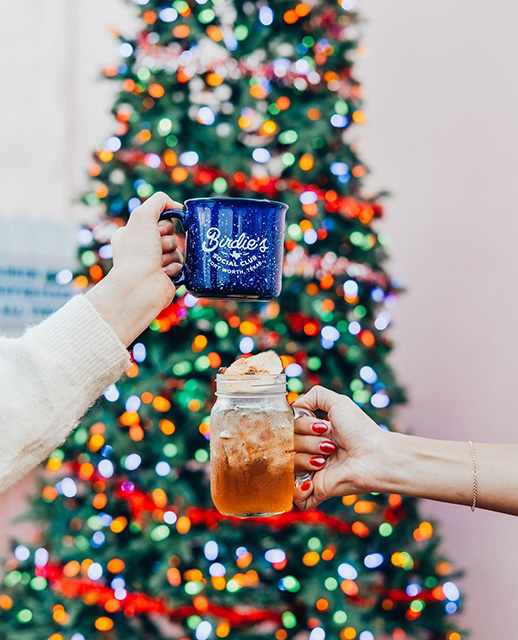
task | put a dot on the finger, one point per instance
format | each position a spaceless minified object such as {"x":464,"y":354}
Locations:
{"x":169,"y":243}
{"x":151,"y":209}
{"x":308,"y":462}
{"x":312,"y":427}
{"x":173,"y":269}
{"x":166,"y":227}
{"x":303,"y":496}
{"x":173,"y":256}
{"x":319,"y":398}
{"x":314,"y":445}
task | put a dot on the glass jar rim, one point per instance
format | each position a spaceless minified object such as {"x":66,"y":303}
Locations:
{"x":250,"y":384}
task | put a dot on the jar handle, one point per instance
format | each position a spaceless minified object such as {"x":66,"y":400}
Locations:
{"x":300,"y":478}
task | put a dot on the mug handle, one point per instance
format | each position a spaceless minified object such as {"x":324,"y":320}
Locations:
{"x":178,"y":214}
{"x":300,"y":478}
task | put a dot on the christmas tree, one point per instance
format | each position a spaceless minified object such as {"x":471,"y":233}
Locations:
{"x":234,"y":99}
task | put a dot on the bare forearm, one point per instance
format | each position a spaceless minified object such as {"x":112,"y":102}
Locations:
{"x":443,"y":470}
{"x":127,"y":305}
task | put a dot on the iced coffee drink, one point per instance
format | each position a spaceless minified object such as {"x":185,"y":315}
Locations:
{"x":251,"y":440}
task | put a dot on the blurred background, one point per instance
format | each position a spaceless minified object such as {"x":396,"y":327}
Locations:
{"x":441,"y":135}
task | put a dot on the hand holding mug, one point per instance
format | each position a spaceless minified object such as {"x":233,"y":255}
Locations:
{"x":145,"y":257}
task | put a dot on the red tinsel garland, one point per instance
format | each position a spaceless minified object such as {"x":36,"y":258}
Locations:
{"x":347,"y":206}
{"x":211,"y":518}
{"x":140,"y":502}
{"x":137,"y":602}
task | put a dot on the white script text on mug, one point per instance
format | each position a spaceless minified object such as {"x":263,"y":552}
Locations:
{"x":243,"y":242}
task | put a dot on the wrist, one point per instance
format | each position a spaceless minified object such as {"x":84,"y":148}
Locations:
{"x":383,"y":452}
{"x":426,"y":468}
{"x":127,"y":304}
{"x":394,"y":463}
{"x":366,"y":471}
{"x":127,"y":285}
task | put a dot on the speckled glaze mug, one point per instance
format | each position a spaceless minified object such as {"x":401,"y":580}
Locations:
{"x":234,"y":247}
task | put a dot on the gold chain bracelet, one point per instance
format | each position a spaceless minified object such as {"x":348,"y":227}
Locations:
{"x":475,"y":476}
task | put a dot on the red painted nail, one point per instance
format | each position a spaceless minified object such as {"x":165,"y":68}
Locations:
{"x":319,"y":427}
{"x":305,"y":485}
{"x":327,"y":446}
{"x":318,"y":461}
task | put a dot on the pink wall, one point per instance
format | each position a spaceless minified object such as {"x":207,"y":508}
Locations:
{"x":441,"y":134}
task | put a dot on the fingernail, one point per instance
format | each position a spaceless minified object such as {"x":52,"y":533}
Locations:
{"x":319,"y":427}
{"x":327,"y":446}
{"x":305,"y":485}
{"x":318,"y":461}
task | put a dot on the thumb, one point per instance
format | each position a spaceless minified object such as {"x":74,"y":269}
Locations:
{"x":318,"y":398}
{"x":150,"y":210}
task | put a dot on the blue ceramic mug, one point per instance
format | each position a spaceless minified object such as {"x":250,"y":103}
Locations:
{"x":234,"y":247}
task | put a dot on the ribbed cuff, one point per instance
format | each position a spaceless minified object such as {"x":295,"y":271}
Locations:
{"x":87,"y":347}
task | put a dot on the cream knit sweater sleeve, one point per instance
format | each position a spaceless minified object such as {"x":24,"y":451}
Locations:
{"x":49,"y":378}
